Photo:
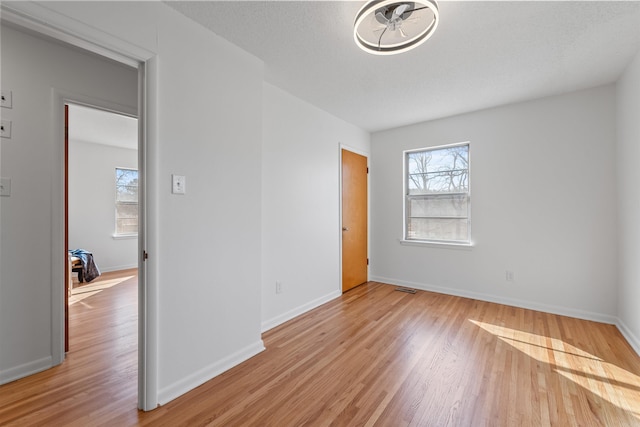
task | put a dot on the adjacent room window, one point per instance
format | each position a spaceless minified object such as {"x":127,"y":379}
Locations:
{"x":437,"y":197}
{"x":126,"y":202}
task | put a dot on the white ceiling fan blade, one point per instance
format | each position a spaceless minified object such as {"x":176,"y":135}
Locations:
{"x":381,"y":17}
{"x":402,"y":33}
{"x":398,"y":11}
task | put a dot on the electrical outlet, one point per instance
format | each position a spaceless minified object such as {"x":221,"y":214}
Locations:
{"x":6,"y":99}
{"x":509,"y":276}
{"x":178,"y":184}
{"x":5,"y":129}
{"x":278,"y":287}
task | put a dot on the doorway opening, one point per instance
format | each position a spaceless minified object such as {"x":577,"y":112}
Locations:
{"x":101,"y":231}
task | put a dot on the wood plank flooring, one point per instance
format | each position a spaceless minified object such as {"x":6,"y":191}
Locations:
{"x":99,"y":375}
{"x":373,"y":357}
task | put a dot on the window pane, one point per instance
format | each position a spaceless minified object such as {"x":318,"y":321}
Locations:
{"x":127,"y":210}
{"x":127,"y":193}
{"x":437,"y":229}
{"x":437,"y":194}
{"x":454,"y":205}
{"x":126,"y":201}
{"x":442,"y":170}
{"x":126,"y":176}
{"x":127,"y":226}
{"x":126,"y":218}
{"x":126,"y":185}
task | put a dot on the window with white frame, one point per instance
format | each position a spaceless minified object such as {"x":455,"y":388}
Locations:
{"x":126,"y":202}
{"x":437,"y":196}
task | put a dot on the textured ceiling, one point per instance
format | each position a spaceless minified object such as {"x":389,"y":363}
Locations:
{"x":483,"y":54}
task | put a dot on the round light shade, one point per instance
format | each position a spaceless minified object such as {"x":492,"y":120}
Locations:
{"x":387,"y":27}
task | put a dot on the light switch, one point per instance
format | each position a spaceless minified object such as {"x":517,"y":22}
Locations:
{"x":6,"y":98}
{"x":5,"y":186}
{"x":5,"y":129}
{"x":178,"y":184}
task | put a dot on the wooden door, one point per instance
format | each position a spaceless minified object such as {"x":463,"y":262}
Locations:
{"x":354,"y":220}
{"x":67,"y":273}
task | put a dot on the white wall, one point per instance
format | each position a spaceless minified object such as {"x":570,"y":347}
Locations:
{"x":543,"y":206}
{"x":92,"y":196}
{"x":32,"y":68}
{"x":628,"y":110}
{"x":300,"y":204}
{"x":210,"y":115}
{"x":205,"y":252}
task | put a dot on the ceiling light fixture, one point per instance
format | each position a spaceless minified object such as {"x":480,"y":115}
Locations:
{"x":387,"y":27}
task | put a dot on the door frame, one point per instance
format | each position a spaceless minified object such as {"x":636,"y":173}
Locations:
{"x":366,"y":154}
{"x":47,"y":23}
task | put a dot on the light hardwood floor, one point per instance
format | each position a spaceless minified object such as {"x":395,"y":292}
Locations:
{"x":374,"y":356}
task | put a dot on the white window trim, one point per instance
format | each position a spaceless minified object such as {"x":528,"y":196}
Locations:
{"x":124,"y":236}
{"x":437,"y":244}
{"x":434,"y":243}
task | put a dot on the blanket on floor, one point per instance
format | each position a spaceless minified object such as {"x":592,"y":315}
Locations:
{"x":89,"y":268}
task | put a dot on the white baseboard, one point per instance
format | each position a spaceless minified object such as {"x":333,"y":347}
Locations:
{"x":278,"y":320}
{"x":547,"y":308}
{"x":633,"y":340}
{"x":25,"y":370}
{"x":167,"y":394}
{"x":117,"y":268}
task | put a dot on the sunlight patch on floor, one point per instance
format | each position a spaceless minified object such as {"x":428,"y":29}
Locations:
{"x":85,"y":291}
{"x":610,"y":382}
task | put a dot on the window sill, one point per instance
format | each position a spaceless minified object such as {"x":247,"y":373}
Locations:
{"x":443,"y":245}
{"x":124,"y":236}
